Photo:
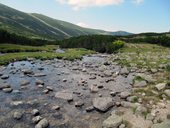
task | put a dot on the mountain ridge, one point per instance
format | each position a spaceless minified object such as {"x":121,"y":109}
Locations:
{"x":40,"y":26}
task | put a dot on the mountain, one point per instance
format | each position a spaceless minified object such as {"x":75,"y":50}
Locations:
{"x":39,"y":26}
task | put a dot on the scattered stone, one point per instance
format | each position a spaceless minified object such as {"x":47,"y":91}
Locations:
{"x":140,"y":110}
{"x":7,"y":90}
{"x":124,"y":71}
{"x":94,"y":88}
{"x":17,"y":115}
{"x":113,"y":94}
{"x":122,"y":126}
{"x":5,"y":86}
{"x":27,"y":72}
{"x":64,"y":95}
{"x":90,"y":109}
{"x":79,"y":104}
{"x":24,"y":83}
{"x":49,"y":88}
{"x":107,"y":73}
{"x":4,"y":77}
{"x":129,"y":104}
{"x":167,"y":92}
{"x":64,"y":80}
{"x":17,"y":103}
{"x":56,"y":107}
{"x":142,"y":83}
{"x":132,"y":99}
{"x":124,"y":94}
{"x":46,"y":91}
{"x":160,"y":86}
{"x":92,"y":77}
{"x":39,"y":74}
{"x":35,"y":112}
{"x":42,"y":124}
{"x":36,"y":119}
{"x":102,"y":103}
{"x":84,"y":70}
{"x":114,"y":121}
{"x":39,"y":82}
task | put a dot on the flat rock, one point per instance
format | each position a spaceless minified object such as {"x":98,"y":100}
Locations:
{"x":64,"y":95}
{"x":124,"y":71}
{"x":140,"y":83}
{"x":160,"y":86}
{"x":24,"y":83}
{"x":7,"y":90}
{"x":114,"y":121}
{"x":103,"y":103}
{"x":129,"y":104}
{"x":165,"y":124}
{"x":4,"y":77}
{"x":124,"y":94}
{"x":39,"y":74}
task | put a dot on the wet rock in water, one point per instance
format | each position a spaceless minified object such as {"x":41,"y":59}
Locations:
{"x":103,"y":103}
{"x":56,"y":107}
{"x":125,"y":94}
{"x":167,"y":92}
{"x":64,"y":80}
{"x":5,"y":86}
{"x":114,"y":121}
{"x":36,"y":119}
{"x":124,"y":71}
{"x":4,"y":76}
{"x":35,"y":112}
{"x":46,"y":91}
{"x":93,"y":89}
{"x":24,"y":83}
{"x":164,"y":124}
{"x":140,"y":83}
{"x":79,"y":104}
{"x":42,"y":124}
{"x":7,"y":90}
{"x":39,"y":74}
{"x":16,"y":103}
{"x":160,"y":86}
{"x":49,"y":88}
{"x":64,"y":95}
{"x":27,"y":72}
{"x":17,"y":115}
{"x":90,"y":109}
{"x":39,"y":82}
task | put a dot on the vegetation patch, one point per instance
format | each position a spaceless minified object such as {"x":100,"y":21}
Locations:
{"x":70,"y":54}
{"x":8,"y":48}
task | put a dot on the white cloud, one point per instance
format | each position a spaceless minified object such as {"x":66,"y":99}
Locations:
{"x":83,"y":25}
{"x":77,"y":4}
{"x":138,"y":1}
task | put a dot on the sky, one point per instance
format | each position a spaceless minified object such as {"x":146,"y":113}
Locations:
{"x":134,"y":16}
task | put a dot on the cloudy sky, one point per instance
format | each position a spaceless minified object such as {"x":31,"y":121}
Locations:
{"x":112,"y":15}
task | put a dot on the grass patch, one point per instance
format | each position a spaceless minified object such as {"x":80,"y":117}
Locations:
{"x":11,"y":48}
{"x":138,"y":78}
{"x":168,"y":116}
{"x":70,"y":54}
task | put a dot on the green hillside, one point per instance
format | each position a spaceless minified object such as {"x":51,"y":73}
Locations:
{"x":40,"y":26}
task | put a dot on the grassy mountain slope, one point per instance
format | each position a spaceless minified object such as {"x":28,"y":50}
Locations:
{"x":40,"y":26}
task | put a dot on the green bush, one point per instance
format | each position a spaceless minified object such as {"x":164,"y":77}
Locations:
{"x":114,"y":46}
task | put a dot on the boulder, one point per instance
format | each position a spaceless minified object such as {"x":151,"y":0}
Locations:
{"x":42,"y":124}
{"x":160,"y":86}
{"x":139,"y":84}
{"x":114,"y":121}
{"x":124,"y":94}
{"x":102,"y":103}
{"x":167,"y":92}
{"x":64,"y":95}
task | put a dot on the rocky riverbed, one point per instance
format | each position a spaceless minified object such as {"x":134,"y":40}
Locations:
{"x":90,"y":93}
